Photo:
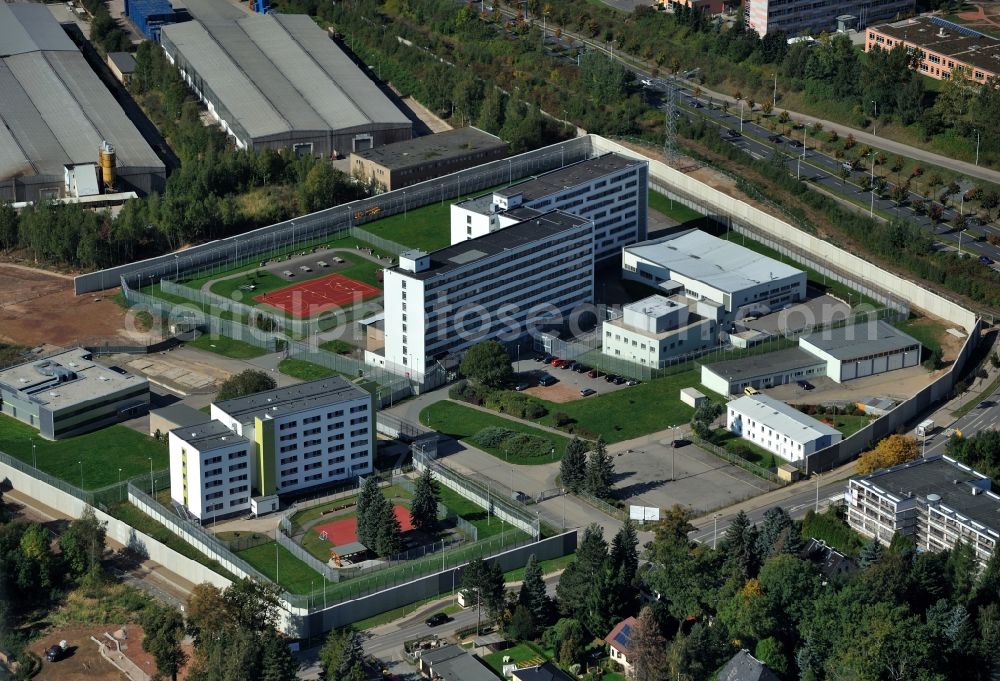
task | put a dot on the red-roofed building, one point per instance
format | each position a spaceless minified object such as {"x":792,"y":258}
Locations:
{"x":619,"y":641}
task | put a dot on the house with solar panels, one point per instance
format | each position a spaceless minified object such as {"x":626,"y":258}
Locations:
{"x":619,"y":641}
{"x":943,"y":46}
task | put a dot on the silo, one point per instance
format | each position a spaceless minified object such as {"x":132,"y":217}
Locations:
{"x":107,"y":162}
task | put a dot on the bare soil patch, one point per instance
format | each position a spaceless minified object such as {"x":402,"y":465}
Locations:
{"x":558,"y":393}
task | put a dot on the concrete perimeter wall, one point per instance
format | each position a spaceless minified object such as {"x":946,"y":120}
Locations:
{"x":118,"y":530}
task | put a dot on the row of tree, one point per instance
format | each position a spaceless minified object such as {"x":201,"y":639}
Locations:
{"x":592,"y":473}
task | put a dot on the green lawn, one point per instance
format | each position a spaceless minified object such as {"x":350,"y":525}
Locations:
{"x":847,"y":425}
{"x":307,"y":371}
{"x":227,"y":347}
{"x":672,"y":209}
{"x":102,"y":452}
{"x":278,"y":565}
{"x":320,"y":549}
{"x":462,"y":422}
{"x":522,"y":652}
{"x":548,"y":566}
{"x":486,"y":525}
{"x":757,"y":454}
{"x":337,"y":347}
{"x":926,"y":330}
{"x":631,"y":412}
{"x":143,"y":523}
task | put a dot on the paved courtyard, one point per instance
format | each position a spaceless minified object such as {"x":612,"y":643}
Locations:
{"x":898,"y":385}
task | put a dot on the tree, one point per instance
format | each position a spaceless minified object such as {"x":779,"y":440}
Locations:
{"x":777,"y":535}
{"x":277,"y":662}
{"x":245,"y":383}
{"x":739,"y":545}
{"x":8,"y":226}
{"x":488,"y":364}
{"x":624,"y":554}
{"x":83,"y":545}
{"x":521,"y":626}
{"x":388,"y":532}
{"x":870,"y":554}
{"x":573,"y":466}
{"x":533,"y":595}
{"x":647,"y":649}
{"x":600,"y":471}
{"x":206,"y":612}
{"x":367,"y":501}
{"x":581,"y":576}
{"x":343,"y":655}
{"x":891,"y":451}
{"x":482,"y":583}
{"x":568,"y":638}
{"x":253,"y":605}
{"x":163,"y":629}
{"x":424,"y":507}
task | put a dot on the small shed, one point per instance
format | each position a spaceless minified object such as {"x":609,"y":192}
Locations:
{"x":122,"y":64}
{"x":692,"y":397}
{"x":788,"y":472}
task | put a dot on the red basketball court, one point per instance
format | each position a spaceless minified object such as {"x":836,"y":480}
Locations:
{"x":345,"y":530}
{"x":318,"y":295}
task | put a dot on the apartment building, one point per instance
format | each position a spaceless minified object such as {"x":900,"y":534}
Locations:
{"x":498,"y":285}
{"x":305,"y":435}
{"x":210,"y":469}
{"x":943,"y":46}
{"x":778,"y":428}
{"x":816,"y":16}
{"x":935,"y":500}
{"x":656,"y":329}
{"x":609,"y":190}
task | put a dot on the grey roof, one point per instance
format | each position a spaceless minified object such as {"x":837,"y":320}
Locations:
{"x":209,"y":435}
{"x":278,"y":73}
{"x":452,"y":663}
{"x":517,"y":235}
{"x":570,"y":176}
{"x":780,"y":361}
{"x":292,"y":398}
{"x":952,"y":481}
{"x":971,"y":47}
{"x":30,"y":27}
{"x":123,"y":61}
{"x":784,"y":419}
{"x":419,"y":150}
{"x":829,"y":560}
{"x":860,"y":340}
{"x":745,"y":667}
{"x":68,"y":378}
{"x":544,"y":672}
{"x":722,"y":264}
{"x":55,"y":111}
{"x":180,"y":414}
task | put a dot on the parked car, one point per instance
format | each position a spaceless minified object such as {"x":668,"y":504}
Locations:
{"x":542,"y":358}
{"x":522,"y":386}
{"x":437,"y":619}
{"x":732,"y":132}
{"x":679,"y":442}
{"x":610,"y":378}
{"x":805,"y":385}
{"x":646,"y":82}
{"x":631,"y":381}
{"x":581,"y":368}
{"x":750,"y":390}
{"x":568,"y":365}
{"x":774,"y":138}
{"x":57,"y":652}
{"x":548,"y":359}
{"x":556,"y":362}
{"x":985,"y":260}
{"x":618,"y":380}
{"x":592,"y":373}
{"x":547,"y":379}
{"x":697,"y":104}
{"x":587,"y":392}
{"x":795,"y":143}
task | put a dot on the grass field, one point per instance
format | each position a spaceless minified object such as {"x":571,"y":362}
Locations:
{"x":337,"y":347}
{"x":522,"y":652}
{"x":102,"y":452}
{"x":320,"y":549}
{"x":673,"y":209}
{"x":282,"y":567}
{"x":462,"y":422}
{"x":926,"y":330}
{"x":758,"y":455}
{"x":227,"y":347}
{"x":625,"y":414}
{"x":848,"y":425}
{"x":306,"y":371}
{"x":486,"y":526}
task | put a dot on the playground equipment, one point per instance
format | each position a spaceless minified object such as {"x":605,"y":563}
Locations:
{"x":335,"y":557}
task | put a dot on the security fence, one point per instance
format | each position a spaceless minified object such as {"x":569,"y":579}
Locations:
{"x":445,"y":514}
{"x":390,"y":386}
{"x":377,"y":241}
{"x":323,"y":225}
{"x":217,"y":305}
{"x":737,"y":460}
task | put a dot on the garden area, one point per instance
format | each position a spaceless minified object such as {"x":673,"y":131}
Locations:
{"x":226,"y":346}
{"x":89,"y":461}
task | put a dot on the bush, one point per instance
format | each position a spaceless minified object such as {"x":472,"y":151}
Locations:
{"x":535,"y":410}
{"x":493,"y":437}
{"x":562,"y":419}
{"x":527,"y":445}
{"x":468,"y":392}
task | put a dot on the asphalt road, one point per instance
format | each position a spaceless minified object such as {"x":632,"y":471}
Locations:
{"x":984,"y":416}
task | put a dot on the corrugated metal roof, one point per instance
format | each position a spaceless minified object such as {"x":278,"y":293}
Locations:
{"x":278,"y":73}
{"x":28,"y":27}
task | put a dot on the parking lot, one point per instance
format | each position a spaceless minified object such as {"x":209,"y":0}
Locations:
{"x":898,"y":385}
{"x":569,"y":384}
{"x":702,"y":481}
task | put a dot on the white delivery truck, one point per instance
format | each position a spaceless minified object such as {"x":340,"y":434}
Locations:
{"x":925,"y":428}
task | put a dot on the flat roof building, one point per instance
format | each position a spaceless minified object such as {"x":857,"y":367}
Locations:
{"x":778,"y":428}
{"x":863,"y":349}
{"x":279,"y":81}
{"x":817,"y":16}
{"x":210,"y":469}
{"x":56,"y":112}
{"x":943,"y":46}
{"x":454,"y":663}
{"x":122,"y":64}
{"x":935,"y":500}
{"x":610,"y":190}
{"x":500,"y":284}
{"x":397,"y":165}
{"x":705,"y":267}
{"x":655,"y":330}
{"x":69,"y":393}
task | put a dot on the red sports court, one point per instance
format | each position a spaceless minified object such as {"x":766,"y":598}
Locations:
{"x":318,"y":295}
{"x":345,"y":530}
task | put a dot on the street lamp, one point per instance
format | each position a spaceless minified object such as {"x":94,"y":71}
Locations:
{"x":152,"y":493}
{"x":871,"y":211}
{"x":715,"y":530}
{"x":81,"y":473}
{"x":34,"y":460}
{"x":774,"y":100}
{"x":121,"y":493}
{"x":977,"y":147}
{"x":874,"y":117}
{"x":741,"y":116}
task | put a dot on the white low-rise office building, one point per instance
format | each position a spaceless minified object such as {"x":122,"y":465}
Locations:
{"x":655,"y":330}
{"x":862,"y":350}
{"x":610,"y":190}
{"x":210,"y":469}
{"x":935,"y":500}
{"x":778,"y":428}
{"x":738,"y":281}
{"x":500,"y":285}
